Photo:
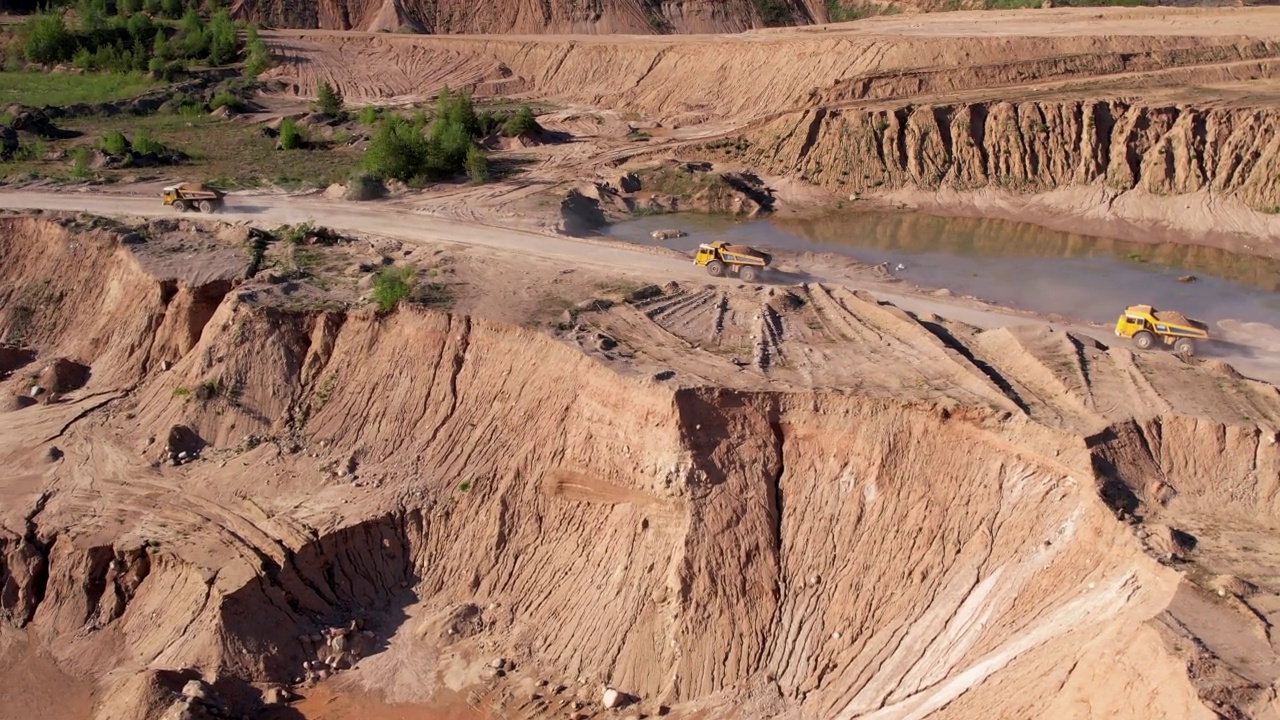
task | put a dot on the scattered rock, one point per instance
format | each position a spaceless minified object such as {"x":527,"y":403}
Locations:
{"x":604,"y":342}
{"x":1232,"y":585}
{"x":16,"y":402}
{"x":36,"y":391}
{"x":615,"y":699}
{"x":1161,"y":492}
{"x":63,"y":375}
{"x":498,"y":664}
{"x":277,"y":696}
{"x":626,"y":182}
{"x":667,"y":234}
{"x":1187,"y":279}
{"x":196,"y":690}
{"x":1171,"y":543}
{"x":593,"y":305}
{"x":663,"y":375}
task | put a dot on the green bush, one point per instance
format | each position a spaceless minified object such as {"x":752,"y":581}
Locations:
{"x":290,"y":135}
{"x":521,"y":123}
{"x":144,"y":144}
{"x":362,"y":186}
{"x":227,"y":99}
{"x":398,"y":149}
{"x":328,"y":99}
{"x":114,"y":143}
{"x":46,"y":40}
{"x":391,"y":286}
{"x":80,"y":162}
{"x":368,"y":116}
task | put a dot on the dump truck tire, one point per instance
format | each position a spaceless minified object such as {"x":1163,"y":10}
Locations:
{"x":1144,"y":340}
{"x":715,"y":268}
{"x":1185,"y":347}
{"x":206,"y":206}
{"x":180,"y":205}
{"x":747,"y":273}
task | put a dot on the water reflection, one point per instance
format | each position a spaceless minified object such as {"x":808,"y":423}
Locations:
{"x":1014,"y":264}
{"x":916,"y":233}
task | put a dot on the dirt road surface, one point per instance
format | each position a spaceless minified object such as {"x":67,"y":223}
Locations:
{"x":403,"y":223}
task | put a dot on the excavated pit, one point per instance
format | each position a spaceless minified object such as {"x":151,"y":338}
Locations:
{"x":417,"y":493}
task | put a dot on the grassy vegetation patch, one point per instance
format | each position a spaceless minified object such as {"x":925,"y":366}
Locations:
{"x":839,"y":11}
{"x":225,"y":153}
{"x":39,"y":89}
{"x":391,"y":286}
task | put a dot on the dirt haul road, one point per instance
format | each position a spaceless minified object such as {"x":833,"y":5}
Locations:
{"x":1239,"y":349}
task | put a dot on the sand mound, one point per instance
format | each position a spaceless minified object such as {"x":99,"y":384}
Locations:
{"x":422,"y":495}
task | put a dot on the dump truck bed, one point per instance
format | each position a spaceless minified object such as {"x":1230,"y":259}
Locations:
{"x":1175,"y":318}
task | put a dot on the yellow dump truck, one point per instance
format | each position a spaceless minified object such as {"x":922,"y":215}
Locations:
{"x":1146,"y":326}
{"x":193,"y":196}
{"x":720,"y":257}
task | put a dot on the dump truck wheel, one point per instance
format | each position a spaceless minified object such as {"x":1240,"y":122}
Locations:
{"x":206,"y":206}
{"x":747,"y":273}
{"x":179,"y":205}
{"x":715,"y":268}
{"x":1185,"y":347}
{"x":1144,"y":340}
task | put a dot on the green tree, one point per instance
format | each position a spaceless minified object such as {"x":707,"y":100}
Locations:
{"x":521,"y":123}
{"x":223,"y":43}
{"x":477,"y":165}
{"x":151,"y":7}
{"x":329,"y":99}
{"x":46,"y":40}
{"x":259,"y":58}
{"x":140,"y":27}
{"x":397,"y":150}
{"x":92,"y":15}
{"x":161,"y":49}
{"x":127,"y":8}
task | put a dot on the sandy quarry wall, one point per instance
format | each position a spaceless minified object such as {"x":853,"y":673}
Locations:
{"x":1157,"y":167}
{"x":678,"y":546}
{"x":829,"y":554}
{"x":742,"y":77}
{"x":445,"y":17}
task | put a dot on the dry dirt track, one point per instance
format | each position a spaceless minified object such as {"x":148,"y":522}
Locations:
{"x":404,"y":224}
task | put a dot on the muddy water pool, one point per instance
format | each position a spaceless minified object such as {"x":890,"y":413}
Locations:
{"x":1013,"y":264}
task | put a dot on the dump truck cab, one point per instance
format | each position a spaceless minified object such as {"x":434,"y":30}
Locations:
{"x":196,"y":196}
{"x":720,"y":257}
{"x":1147,"y":326}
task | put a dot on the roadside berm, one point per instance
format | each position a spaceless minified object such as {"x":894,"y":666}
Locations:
{"x":751,"y":502}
